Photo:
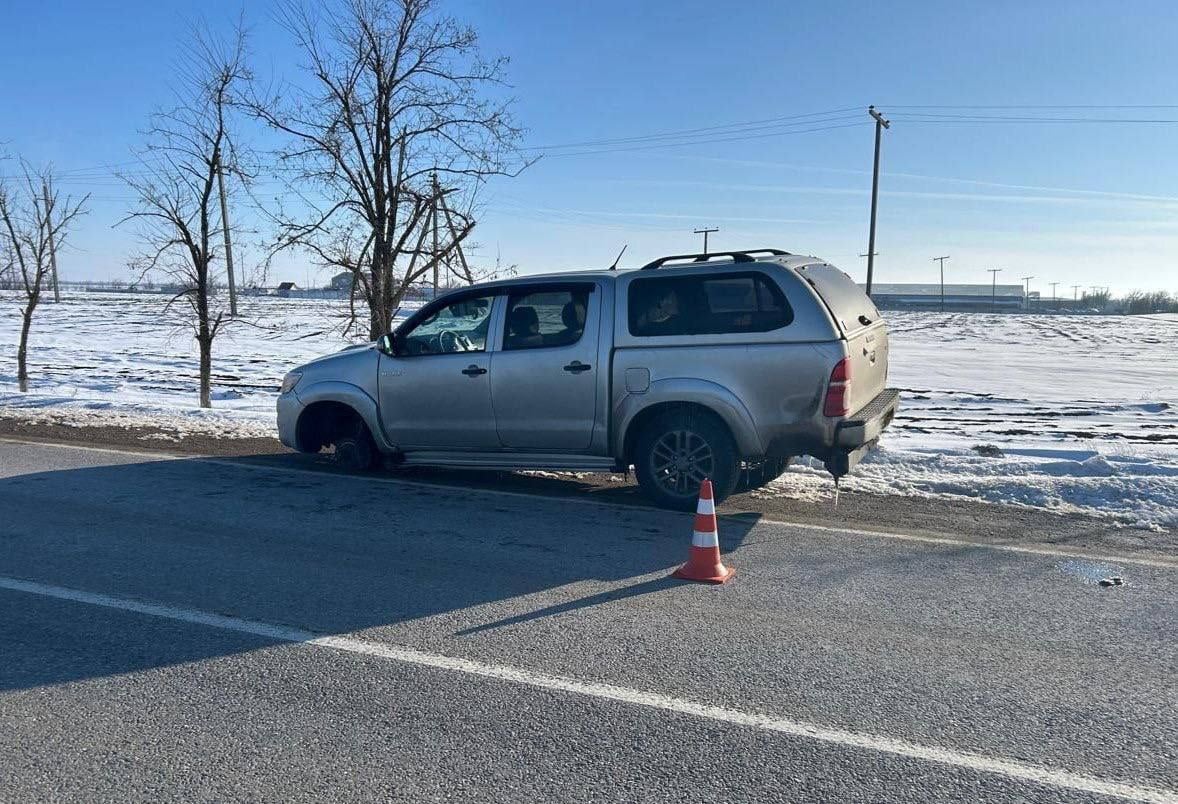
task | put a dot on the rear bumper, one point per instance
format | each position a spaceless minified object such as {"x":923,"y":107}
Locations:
{"x":856,"y":435}
{"x":867,"y":423}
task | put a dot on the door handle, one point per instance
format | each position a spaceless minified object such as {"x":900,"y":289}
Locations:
{"x":576,"y":367}
{"x":474,"y":371}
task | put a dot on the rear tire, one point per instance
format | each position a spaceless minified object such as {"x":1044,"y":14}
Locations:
{"x":677,"y":450}
{"x":355,"y":450}
{"x":757,"y":474}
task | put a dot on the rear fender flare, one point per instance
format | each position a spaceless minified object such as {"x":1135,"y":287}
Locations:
{"x":704,"y":393}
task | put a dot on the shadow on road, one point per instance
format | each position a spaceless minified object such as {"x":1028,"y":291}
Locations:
{"x":626,"y":592}
{"x":327,"y":552}
{"x":614,"y":488}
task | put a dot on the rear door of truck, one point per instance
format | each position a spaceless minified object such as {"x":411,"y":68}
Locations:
{"x":861,"y":326}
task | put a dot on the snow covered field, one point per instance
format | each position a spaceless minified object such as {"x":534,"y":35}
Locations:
{"x":1071,"y":413}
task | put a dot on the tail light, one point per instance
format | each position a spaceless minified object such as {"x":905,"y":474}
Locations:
{"x":838,"y":392}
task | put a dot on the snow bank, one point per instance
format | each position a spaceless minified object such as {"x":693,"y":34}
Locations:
{"x":1125,"y":489}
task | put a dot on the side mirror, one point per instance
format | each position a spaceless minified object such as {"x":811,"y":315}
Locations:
{"x":388,"y":344}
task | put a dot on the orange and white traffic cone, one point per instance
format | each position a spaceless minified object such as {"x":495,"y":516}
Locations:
{"x":703,"y":561}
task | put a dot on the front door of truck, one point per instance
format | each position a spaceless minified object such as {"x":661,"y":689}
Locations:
{"x":435,"y":392}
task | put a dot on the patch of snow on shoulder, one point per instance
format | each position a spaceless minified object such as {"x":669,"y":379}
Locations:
{"x":1140,"y":492}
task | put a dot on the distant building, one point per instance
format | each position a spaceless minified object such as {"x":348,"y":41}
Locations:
{"x":284,"y":289}
{"x":982,"y":297}
{"x":342,"y":281}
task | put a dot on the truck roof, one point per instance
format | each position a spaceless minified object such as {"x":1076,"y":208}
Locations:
{"x":785,"y":260}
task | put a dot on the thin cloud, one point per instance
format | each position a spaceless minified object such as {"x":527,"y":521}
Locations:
{"x":1160,"y":202}
{"x":926,"y":177}
{"x":667,"y":216}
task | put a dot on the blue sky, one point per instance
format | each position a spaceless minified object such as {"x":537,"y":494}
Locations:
{"x":1093,"y":204}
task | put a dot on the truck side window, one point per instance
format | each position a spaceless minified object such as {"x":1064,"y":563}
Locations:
{"x":706,"y":305}
{"x":539,"y":319}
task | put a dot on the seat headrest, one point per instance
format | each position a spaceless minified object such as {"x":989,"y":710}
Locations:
{"x":573,"y":315}
{"x":524,"y":321}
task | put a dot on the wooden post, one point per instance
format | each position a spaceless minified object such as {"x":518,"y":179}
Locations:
{"x":228,"y":243}
{"x":880,"y":124}
{"x":434,"y":223}
{"x":52,"y":245}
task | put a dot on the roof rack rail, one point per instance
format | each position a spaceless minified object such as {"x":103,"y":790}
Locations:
{"x":776,"y":252}
{"x":737,"y":256}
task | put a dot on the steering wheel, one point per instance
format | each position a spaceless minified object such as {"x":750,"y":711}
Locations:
{"x":450,"y":341}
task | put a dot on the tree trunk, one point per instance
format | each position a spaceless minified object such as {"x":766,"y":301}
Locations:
{"x":376,"y":330}
{"x":22,"y":368}
{"x":206,"y":368}
{"x":380,"y":316}
{"x":204,"y":333}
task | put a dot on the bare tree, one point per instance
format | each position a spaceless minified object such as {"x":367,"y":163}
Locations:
{"x":35,"y":219}
{"x":396,"y":93}
{"x":177,"y":211}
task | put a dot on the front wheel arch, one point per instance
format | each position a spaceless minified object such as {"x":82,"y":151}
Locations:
{"x":321,"y":422}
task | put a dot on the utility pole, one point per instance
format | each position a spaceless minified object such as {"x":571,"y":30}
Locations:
{"x":52,"y":245}
{"x":994,"y":288}
{"x":436,"y":191}
{"x":942,"y":261}
{"x":1027,"y":292}
{"x":1054,"y":305}
{"x":880,"y":124}
{"x":437,"y":217}
{"x":705,"y":231}
{"x":228,"y":243}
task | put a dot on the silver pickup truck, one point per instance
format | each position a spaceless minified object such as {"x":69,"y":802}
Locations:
{"x":721,"y":366}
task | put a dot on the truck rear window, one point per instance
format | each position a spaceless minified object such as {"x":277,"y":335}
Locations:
{"x":706,"y":305}
{"x":851,"y":307}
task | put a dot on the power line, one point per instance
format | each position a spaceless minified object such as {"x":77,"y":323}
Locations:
{"x":1038,"y":106}
{"x":758,"y":124}
{"x":963,"y":118}
{"x":706,"y":141}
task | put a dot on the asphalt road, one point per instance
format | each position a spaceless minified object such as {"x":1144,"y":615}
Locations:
{"x":218,"y":630}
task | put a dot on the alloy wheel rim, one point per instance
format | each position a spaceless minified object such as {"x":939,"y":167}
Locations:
{"x":681,"y":460}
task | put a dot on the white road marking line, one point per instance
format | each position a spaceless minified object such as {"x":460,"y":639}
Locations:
{"x":1012,"y":769}
{"x":87,"y":448}
{"x":1157,"y":563}
{"x":947,"y":541}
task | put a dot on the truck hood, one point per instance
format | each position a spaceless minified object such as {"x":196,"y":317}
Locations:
{"x":343,"y":354}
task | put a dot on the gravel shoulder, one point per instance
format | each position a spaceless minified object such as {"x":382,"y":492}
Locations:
{"x":956,"y":518}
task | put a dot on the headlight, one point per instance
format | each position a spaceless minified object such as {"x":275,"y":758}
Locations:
{"x":290,"y":381}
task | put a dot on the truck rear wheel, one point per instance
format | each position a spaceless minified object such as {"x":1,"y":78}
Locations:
{"x":756,"y":474}
{"x":675,"y":452}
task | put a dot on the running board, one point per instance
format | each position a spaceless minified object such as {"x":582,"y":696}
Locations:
{"x":509,"y":461}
